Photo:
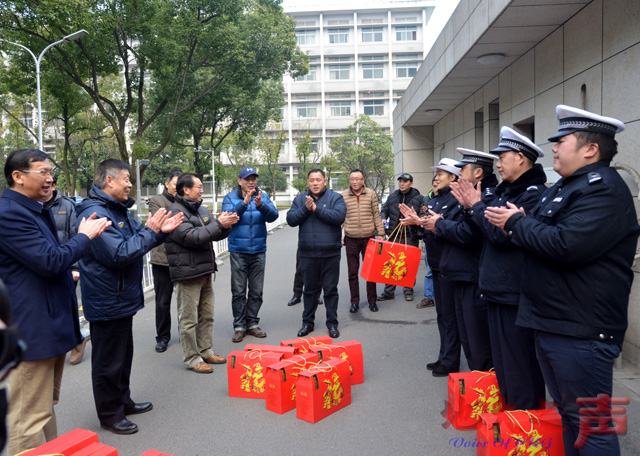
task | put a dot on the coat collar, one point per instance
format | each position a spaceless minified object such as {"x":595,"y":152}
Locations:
{"x":35,"y":206}
{"x":191,"y":204}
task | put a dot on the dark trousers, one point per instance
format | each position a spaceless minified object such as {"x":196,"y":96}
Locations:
{"x":163,"y":288}
{"x":355,"y":247}
{"x":514,"y":357}
{"x":247,"y":271}
{"x":439,"y":318}
{"x":471,"y":313}
{"x":578,"y":368}
{"x":111,"y":357}
{"x":390,"y":290}
{"x":451,"y":347}
{"x":298,"y":283}
{"x":320,"y":274}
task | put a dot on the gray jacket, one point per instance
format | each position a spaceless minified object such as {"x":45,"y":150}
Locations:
{"x":164,"y":200}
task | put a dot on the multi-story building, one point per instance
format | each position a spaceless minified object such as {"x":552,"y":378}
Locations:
{"x":361,"y":61}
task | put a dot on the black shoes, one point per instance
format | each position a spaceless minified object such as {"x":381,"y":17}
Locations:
{"x":137,"y":409}
{"x":161,"y":346}
{"x":443,"y":371}
{"x":432,"y":366}
{"x":426,"y":302}
{"x":293,"y":301}
{"x":354,"y":308}
{"x":123,"y":427}
{"x":305,"y":330}
{"x":333,"y":332}
{"x":373,"y":307}
{"x":383,"y":297}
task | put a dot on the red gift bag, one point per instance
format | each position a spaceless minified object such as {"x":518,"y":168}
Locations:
{"x":97,"y":449}
{"x":66,"y":444}
{"x":390,"y":263}
{"x":350,"y":350}
{"x":520,"y":432}
{"x":281,"y":381}
{"x":154,"y":453}
{"x":287,"y":352}
{"x":323,"y":389}
{"x":470,"y":395}
{"x":246,"y":372}
{"x":304,"y":344}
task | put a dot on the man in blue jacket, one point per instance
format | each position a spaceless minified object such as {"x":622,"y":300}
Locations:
{"x":320,"y":213}
{"x":36,"y":269}
{"x":247,"y":251}
{"x":112,"y":293}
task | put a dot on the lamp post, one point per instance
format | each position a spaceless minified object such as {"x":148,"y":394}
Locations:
{"x":72,"y":37}
{"x":144,"y":161}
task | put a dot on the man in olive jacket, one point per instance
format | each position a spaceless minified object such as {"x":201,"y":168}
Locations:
{"x":192,"y":261}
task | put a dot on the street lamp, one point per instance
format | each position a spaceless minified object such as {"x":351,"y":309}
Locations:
{"x":72,"y":37}
{"x":143,"y":162}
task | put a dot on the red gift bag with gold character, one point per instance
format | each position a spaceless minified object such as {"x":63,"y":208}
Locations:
{"x":281,"y":381}
{"x":287,"y":352}
{"x":470,"y":395}
{"x":66,"y":444}
{"x":520,"y":432}
{"x":391,"y":263}
{"x":350,"y":350}
{"x":323,"y":389}
{"x":246,"y":372}
{"x":304,"y":344}
{"x":95,"y":449}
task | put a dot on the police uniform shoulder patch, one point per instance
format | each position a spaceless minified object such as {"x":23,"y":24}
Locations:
{"x":532,"y":188}
{"x":120,"y":224}
{"x":489,"y":192}
{"x":594,"y":177}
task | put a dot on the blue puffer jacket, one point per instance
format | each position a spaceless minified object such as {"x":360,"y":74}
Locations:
{"x":111,"y":271}
{"x":249,"y":235}
{"x":320,"y":232}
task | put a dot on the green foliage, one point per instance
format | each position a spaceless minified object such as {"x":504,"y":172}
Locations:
{"x":307,"y":162}
{"x":268,"y":154}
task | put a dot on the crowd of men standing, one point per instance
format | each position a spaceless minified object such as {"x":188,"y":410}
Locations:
{"x":529,"y":280}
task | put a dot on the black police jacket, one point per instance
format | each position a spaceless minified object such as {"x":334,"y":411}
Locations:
{"x":501,"y":260}
{"x":461,"y":252}
{"x":391,"y":212}
{"x":580,"y":243}
{"x":442,"y":204}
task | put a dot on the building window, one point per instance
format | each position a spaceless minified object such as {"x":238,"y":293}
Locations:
{"x":303,"y":23}
{"x":372,"y":20}
{"x":340,"y":108}
{"x":306,"y":36}
{"x":406,"y":19}
{"x":407,"y":57}
{"x":310,"y":76}
{"x":339,"y":71}
{"x":374,"y":107}
{"x":371,"y":58}
{"x":372,"y":70}
{"x":338,"y":22}
{"x":371,"y":34}
{"x":307,"y":109}
{"x":406,"y":70}
{"x":340,"y":95}
{"x":339,"y":35}
{"x":27,"y":119}
{"x":406,"y":33}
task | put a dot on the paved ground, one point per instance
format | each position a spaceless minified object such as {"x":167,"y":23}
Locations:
{"x":396,"y":411}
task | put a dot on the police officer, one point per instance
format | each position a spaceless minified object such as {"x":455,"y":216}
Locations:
{"x":579,"y":242}
{"x":512,"y":347}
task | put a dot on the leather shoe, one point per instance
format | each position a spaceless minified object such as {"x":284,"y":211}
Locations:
{"x":443,"y":371}
{"x":432,"y":366}
{"x":201,"y":368}
{"x":257,"y":332}
{"x":161,"y":346}
{"x":354,"y":308}
{"x":383,"y":297}
{"x":215,"y":359}
{"x":320,"y":302}
{"x":238,"y":336}
{"x":305,"y":330}
{"x":77,"y":353}
{"x":408,"y":297}
{"x":293,"y":301}
{"x":426,"y":302}
{"x":333,"y":332}
{"x":122,"y":427}
{"x":137,"y":409}
{"x":373,"y":307}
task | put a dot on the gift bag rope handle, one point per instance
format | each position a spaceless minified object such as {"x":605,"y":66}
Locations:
{"x":320,"y":369}
{"x":399,"y":230}
{"x":309,"y":339}
{"x":302,"y":363}
{"x":253,"y":354}
{"x":52,"y":454}
{"x":515,"y":422}
{"x":486,"y":374}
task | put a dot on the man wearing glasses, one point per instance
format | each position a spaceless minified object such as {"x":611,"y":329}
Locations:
{"x":36,"y":269}
{"x":361,"y":224}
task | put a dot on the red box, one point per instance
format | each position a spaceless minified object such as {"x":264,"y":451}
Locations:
{"x":390,"y":263}
{"x":350,"y":350}
{"x":66,"y":444}
{"x":246,"y":372}
{"x":323,"y":389}
{"x":304,"y":345}
{"x":154,"y":453}
{"x":470,"y":395}
{"x":520,"y":432}
{"x":97,"y":449}
{"x":287,"y":352}
{"x":281,"y":381}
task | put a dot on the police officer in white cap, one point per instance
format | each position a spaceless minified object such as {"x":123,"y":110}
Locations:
{"x":513,"y":347}
{"x":579,"y":242}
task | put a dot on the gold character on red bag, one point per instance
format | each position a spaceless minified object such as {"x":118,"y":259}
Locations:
{"x":530,"y":446}
{"x":252,"y":380}
{"x":486,"y":403}
{"x":395,"y":268}
{"x":334,"y":393}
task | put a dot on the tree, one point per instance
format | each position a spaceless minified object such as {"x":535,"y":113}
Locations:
{"x":367,"y":147}
{"x":269,"y":153}
{"x":304,"y":152}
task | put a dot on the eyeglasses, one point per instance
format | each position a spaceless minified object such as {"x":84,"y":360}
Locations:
{"x":43,"y":172}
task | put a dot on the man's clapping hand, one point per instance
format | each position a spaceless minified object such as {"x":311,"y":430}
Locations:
{"x":93,"y":227}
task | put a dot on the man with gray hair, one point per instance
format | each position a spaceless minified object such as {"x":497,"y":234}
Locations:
{"x":112,"y":290}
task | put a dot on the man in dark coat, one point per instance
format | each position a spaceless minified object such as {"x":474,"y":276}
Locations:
{"x":112,"y":290}
{"x":320,"y":213}
{"x":36,"y":269}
